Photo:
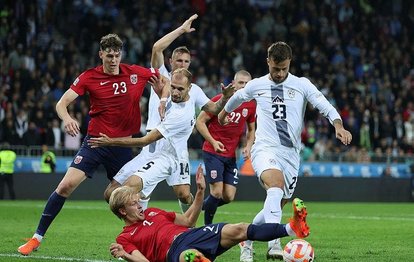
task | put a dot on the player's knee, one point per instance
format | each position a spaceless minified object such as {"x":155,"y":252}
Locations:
{"x":135,"y":182}
{"x":65,"y":188}
{"x":184,"y":196}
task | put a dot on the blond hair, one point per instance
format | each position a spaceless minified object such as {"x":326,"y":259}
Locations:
{"x":119,"y":198}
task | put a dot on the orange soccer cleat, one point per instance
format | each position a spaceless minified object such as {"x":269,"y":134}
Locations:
{"x":30,"y":246}
{"x":298,"y":221}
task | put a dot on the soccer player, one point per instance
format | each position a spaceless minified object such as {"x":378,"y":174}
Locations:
{"x":156,"y":235}
{"x":281,"y":99}
{"x":114,"y":92}
{"x":172,"y":158}
{"x":219,"y":148}
{"x":181,"y":58}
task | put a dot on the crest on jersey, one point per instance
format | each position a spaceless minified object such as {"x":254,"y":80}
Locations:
{"x":277,"y":99}
{"x":245,"y":111}
{"x":213,"y":174}
{"x":78,"y":159}
{"x":134,"y":79}
{"x":152,"y":213}
{"x":291,"y":93}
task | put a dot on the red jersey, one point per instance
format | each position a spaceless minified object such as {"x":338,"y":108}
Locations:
{"x":114,"y":99}
{"x":153,"y":236}
{"x":230,"y":134}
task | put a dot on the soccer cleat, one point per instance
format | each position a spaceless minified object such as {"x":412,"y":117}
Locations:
{"x":246,"y":252}
{"x":275,"y":252}
{"x":298,"y":221}
{"x":31,"y":245}
{"x":193,"y":256}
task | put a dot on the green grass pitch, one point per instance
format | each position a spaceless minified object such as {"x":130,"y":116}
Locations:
{"x":339,"y":231}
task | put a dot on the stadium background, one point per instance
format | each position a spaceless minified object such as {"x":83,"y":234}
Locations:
{"x":359,"y":53}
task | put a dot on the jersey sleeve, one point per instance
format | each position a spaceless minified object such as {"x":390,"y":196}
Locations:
{"x":252,"y":115}
{"x":200,"y":97}
{"x":126,"y":244}
{"x":319,"y":101}
{"x":79,"y":85}
{"x":163,"y":71}
{"x":146,"y":73}
{"x":241,"y":95}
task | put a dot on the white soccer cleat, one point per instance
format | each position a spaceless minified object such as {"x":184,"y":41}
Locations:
{"x":275,"y":252}
{"x":246,"y":252}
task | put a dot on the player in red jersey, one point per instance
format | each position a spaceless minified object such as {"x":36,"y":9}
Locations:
{"x":158,"y":236}
{"x":114,"y":92}
{"x":219,"y":149}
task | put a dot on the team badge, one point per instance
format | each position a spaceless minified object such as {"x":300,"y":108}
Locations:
{"x":291,"y":93}
{"x":213,"y":174}
{"x":78,"y":159}
{"x":134,"y":79}
{"x":245,"y":111}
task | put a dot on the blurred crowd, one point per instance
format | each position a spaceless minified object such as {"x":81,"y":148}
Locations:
{"x":359,"y":53}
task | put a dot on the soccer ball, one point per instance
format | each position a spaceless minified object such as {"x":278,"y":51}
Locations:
{"x":298,"y":250}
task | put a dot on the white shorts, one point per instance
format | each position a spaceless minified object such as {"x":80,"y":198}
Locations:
{"x":154,"y":167}
{"x":285,"y":159}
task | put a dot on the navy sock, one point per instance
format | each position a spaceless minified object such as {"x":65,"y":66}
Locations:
{"x":221,"y":203}
{"x":52,"y":208}
{"x":266,"y":231}
{"x":210,"y":208}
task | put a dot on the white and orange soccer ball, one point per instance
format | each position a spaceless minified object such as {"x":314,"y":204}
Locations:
{"x":298,"y":250}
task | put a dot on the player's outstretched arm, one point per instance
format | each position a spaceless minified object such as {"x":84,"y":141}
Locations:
{"x":117,"y":251}
{"x":215,"y":108}
{"x":157,"y":57}
{"x":189,"y":218}
{"x":105,"y":140}
{"x":341,"y":133}
{"x":71,"y":125}
{"x":201,"y":124}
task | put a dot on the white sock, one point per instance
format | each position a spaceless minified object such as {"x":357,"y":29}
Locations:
{"x":38,"y":237}
{"x":272,"y":210}
{"x":144,"y":203}
{"x":289,"y":230}
{"x":259,"y":218}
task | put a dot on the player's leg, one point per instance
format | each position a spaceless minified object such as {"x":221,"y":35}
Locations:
{"x":2,"y":184}
{"x":73,"y":178}
{"x":214,"y":176}
{"x":231,"y":180}
{"x":184,"y":196}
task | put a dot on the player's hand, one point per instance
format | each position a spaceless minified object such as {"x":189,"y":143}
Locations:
{"x":186,"y":26}
{"x":71,"y":127}
{"x":223,"y":118}
{"x":117,"y":250}
{"x":219,"y":147}
{"x":156,"y":84}
{"x":103,"y":140}
{"x":343,"y":135}
{"x":227,"y":91}
{"x":246,"y":153}
{"x":200,"y":180}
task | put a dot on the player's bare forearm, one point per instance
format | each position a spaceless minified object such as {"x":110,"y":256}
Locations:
{"x":201,"y":125}
{"x":337,"y":123}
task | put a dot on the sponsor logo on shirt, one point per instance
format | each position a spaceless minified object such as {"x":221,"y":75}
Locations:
{"x":134,"y":79}
{"x":291,"y":93}
{"x":78,"y":159}
{"x":104,"y":83}
{"x":151,"y":214}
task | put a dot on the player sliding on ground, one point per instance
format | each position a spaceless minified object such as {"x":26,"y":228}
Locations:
{"x":156,"y":235}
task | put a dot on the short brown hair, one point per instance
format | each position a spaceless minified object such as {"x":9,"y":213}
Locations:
{"x":111,"y":42}
{"x":279,"y":51}
{"x":181,"y":49}
{"x":119,"y":198}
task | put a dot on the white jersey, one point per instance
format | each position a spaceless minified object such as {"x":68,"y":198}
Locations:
{"x":280,"y":108}
{"x":154,"y":101}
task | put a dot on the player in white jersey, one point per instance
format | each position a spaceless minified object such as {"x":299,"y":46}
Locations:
{"x":281,"y":100}
{"x":171,"y":161}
